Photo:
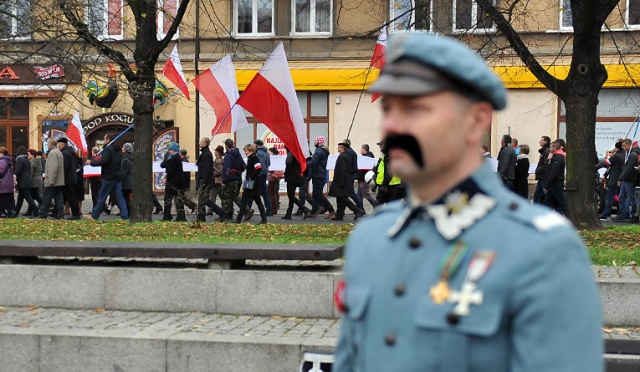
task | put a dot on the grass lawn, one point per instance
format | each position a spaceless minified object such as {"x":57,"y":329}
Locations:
{"x":613,"y":246}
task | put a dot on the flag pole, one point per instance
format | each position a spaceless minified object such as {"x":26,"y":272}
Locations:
{"x":359,"y":99}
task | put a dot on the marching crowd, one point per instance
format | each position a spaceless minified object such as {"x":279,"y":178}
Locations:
{"x":54,"y":183}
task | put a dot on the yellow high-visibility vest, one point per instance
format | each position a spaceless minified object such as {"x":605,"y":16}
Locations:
{"x":395,"y":180}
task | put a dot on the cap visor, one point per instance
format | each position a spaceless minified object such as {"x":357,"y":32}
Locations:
{"x":404,"y":86}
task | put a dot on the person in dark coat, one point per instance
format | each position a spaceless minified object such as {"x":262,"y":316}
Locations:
{"x":541,"y":169}
{"x":354,"y":173}
{"x":615,"y":164}
{"x":127,"y":176}
{"x":110,"y":160}
{"x":25,"y":182}
{"x":507,"y":162}
{"x":174,"y":183}
{"x":253,"y":172}
{"x":342,"y":185}
{"x":293,"y":178}
{"x":554,"y":189}
{"x":36,"y":178}
{"x":317,"y":172}
{"x":521,"y":184}
{"x":627,"y":183}
{"x":70,"y":178}
{"x":205,"y":180}
{"x":364,"y":191}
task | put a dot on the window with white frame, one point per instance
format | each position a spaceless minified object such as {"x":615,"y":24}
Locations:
{"x":167,"y":10}
{"x":566,"y":19}
{"x":104,"y":18}
{"x":633,"y":13}
{"x":253,"y":17}
{"x":468,"y":15}
{"x":15,"y":18}
{"x":312,"y":17}
{"x":411,"y":15}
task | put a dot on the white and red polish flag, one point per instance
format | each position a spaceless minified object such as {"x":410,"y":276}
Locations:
{"x":173,"y":71}
{"x":377,"y":60}
{"x":271,"y":98}
{"x":219,"y":87}
{"x":75,"y":133}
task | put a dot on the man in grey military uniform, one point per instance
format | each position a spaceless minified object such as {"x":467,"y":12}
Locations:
{"x":462,"y":275}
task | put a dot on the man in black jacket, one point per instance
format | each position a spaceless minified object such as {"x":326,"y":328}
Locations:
{"x":110,"y":159}
{"x":173,"y":189}
{"x":204,"y":180}
{"x":354,"y":174}
{"x":70,"y":178}
{"x":507,"y":162}
{"x":541,"y":169}
{"x":554,"y":188}
{"x":627,"y":183}
{"x":615,"y":164}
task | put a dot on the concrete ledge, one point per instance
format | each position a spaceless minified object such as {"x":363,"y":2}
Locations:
{"x":85,"y":351}
{"x":620,"y":303}
{"x":251,"y":292}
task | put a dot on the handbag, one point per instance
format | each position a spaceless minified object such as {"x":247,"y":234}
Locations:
{"x":248,"y":184}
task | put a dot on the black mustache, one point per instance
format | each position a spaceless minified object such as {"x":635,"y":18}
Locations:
{"x":407,"y":143}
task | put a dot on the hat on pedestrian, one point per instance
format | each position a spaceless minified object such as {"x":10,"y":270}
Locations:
{"x":128,"y":148}
{"x":174,"y":146}
{"x":63,"y":140}
{"x":420,"y":64}
{"x":320,"y":140}
{"x":258,"y":142}
{"x":381,"y":142}
{"x":347,"y":142}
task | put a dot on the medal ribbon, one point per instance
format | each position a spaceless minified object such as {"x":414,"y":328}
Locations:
{"x":450,"y":263}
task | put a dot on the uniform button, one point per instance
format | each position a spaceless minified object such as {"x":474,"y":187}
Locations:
{"x":390,"y":339}
{"x":400,"y":289}
{"x":414,"y":243}
{"x":513,"y":206}
{"x":453,"y":319}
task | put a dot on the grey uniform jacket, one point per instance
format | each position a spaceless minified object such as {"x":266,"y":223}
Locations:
{"x":540,"y":309}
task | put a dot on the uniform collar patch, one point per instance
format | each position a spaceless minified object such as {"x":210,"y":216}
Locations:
{"x":456,"y":211}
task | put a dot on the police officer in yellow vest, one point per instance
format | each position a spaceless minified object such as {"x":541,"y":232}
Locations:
{"x":462,"y":275}
{"x":389,"y":186}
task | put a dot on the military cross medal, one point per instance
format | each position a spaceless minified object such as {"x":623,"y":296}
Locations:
{"x":448,"y":266}
{"x":469,"y":294}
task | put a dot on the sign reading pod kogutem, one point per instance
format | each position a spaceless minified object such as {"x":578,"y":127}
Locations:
{"x":107,"y":119}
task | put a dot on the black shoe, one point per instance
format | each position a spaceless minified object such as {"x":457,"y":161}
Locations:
{"x":359,"y":213}
{"x":286,"y":217}
{"x":106,"y":210}
{"x":603,"y":217}
{"x":73,"y":218}
{"x":13,"y":214}
{"x":158,"y":211}
{"x":633,"y":219}
{"x":269,"y":214}
{"x":621,"y":218}
{"x":248,"y":214}
{"x":336,"y":218}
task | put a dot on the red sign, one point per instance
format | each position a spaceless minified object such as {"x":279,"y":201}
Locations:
{"x":8,"y":72}
{"x":44,"y":73}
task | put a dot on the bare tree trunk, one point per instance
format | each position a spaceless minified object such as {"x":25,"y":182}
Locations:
{"x":581,"y":160}
{"x":141,"y":91}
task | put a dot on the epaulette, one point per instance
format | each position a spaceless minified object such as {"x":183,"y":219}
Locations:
{"x":539,"y":217}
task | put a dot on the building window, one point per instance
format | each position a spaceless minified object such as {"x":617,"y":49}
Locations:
{"x":468,"y":15}
{"x":633,"y":13}
{"x":411,"y":15}
{"x":15,"y":18}
{"x":312,"y":17}
{"x":566,"y":19}
{"x":253,"y":17}
{"x":104,"y":18}
{"x":167,"y":11}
